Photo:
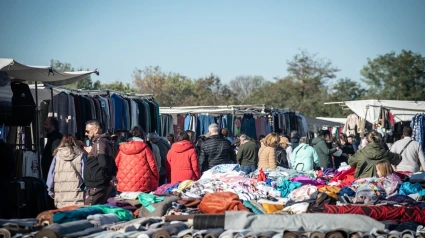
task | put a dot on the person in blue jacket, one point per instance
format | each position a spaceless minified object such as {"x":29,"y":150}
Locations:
{"x":304,"y":157}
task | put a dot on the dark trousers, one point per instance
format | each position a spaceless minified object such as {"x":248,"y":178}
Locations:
{"x":162,"y":179}
{"x":98,"y":195}
{"x":249,"y":168}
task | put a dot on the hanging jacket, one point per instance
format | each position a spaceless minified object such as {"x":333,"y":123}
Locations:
{"x":182,"y":163}
{"x":323,"y":152}
{"x":266,"y":157}
{"x":365,"y":160}
{"x":137,"y":171}
{"x":306,"y":156}
{"x":216,"y":150}
{"x":66,"y":180}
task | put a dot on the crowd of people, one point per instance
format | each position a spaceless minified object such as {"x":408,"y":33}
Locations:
{"x":77,"y":174}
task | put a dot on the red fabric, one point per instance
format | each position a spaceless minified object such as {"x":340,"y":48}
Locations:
{"x":262,"y":176}
{"x":182,"y":163}
{"x":391,"y":116}
{"x":137,"y":170}
{"x":346,"y":178}
{"x":381,"y":213}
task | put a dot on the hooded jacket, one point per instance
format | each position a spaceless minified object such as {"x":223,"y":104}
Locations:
{"x":67,"y":181}
{"x":365,"y":160}
{"x":182,"y":163}
{"x":305,"y":155}
{"x":100,"y":166}
{"x":137,"y":171}
{"x":214,"y":151}
{"x":323,"y":152}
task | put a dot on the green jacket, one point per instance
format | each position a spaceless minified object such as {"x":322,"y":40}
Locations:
{"x":323,"y":151}
{"x":247,"y":154}
{"x":371,"y":155}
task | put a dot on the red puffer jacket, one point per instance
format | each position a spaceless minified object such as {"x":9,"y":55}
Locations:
{"x":137,"y":170}
{"x":182,"y":163}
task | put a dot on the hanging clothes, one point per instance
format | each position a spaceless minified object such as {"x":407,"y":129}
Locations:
{"x":166,"y":125}
{"x":64,"y":112}
{"x":248,"y":126}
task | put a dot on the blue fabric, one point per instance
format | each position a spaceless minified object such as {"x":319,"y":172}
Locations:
{"x":408,"y":188}
{"x":248,"y":168}
{"x":204,"y":121}
{"x":287,"y":187}
{"x":75,"y":215}
{"x":418,"y":129}
{"x":118,"y":104}
{"x":187,"y":122}
{"x":248,"y":126}
{"x":269,"y":182}
{"x":227,"y":122}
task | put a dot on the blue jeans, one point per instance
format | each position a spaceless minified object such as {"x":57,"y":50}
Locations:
{"x":249,"y":168}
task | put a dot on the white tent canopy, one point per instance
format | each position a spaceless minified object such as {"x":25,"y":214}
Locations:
{"x":45,"y":74}
{"x":370,"y":109}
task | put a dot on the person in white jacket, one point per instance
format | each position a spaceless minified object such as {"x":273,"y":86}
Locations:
{"x":304,"y":157}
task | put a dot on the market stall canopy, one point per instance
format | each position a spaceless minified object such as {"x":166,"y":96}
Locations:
{"x":371,"y":109}
{"x":45,"y":74}
{"x":315,"y":124}
{"x":338,"y":120}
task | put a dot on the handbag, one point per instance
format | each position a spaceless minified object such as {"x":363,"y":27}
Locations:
{"x":82,"y":185}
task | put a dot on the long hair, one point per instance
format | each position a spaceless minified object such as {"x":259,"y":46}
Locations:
{"x":384,"y":167}
{"x":68,"y":141}
{"x":183,"y":136}
{"x":271,"y":140}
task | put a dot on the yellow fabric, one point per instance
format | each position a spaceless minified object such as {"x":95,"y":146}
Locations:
{"x":330,"y":190}
{"x":271,"y":208}
{"x":185,"y":184}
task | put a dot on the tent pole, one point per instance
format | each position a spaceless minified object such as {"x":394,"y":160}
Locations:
{"x":51,"y":101}
{"x":37,"y":136}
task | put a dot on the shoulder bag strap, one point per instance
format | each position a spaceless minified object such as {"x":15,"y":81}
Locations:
{"x":76,"y":171}
{"x":405,"y":147}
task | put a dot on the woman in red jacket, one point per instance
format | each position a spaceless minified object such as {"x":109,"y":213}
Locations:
{"x":182,"y":162}
{"x":137,"y":170}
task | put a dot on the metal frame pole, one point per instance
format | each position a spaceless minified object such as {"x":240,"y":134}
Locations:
{"x":37,"y":141}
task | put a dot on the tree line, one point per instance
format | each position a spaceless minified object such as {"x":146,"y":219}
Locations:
{"x":310,"y":82}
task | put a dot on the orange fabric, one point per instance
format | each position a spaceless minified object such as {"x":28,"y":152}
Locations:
{"x":330,"y":190}
{"x":272,"y":208}
{"x":218,"y":203}
{"x":137,"y":170}
{"x":182,"y":163}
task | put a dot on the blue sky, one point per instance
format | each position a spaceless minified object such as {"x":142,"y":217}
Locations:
{"x":196,"y":38}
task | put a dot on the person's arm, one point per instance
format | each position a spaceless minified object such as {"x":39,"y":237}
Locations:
{"x":203,"y":159}
{"x":293,"y":156}
{"x":325,"y":149}
{"x":102,"y":156}
{"x":272,"y":159}
{"x":421,"y":157}
{"x":157,"y":156}
{"x":315,"y":157}
{"x":195,"y":165}
{"x":152,"y":163}
{"x":393,"y":148}
{"x":51,"y":178}
{"x":55,"y":145}
{"x":168,"y":167}
{"x":83,"y":162}
{"x":239,"y":155}
{"x":353,"y":160}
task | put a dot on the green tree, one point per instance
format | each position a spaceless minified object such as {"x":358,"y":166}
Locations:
{"x":116,"y":86}
{"x":84,"y":83}
{"x":397,"y":77}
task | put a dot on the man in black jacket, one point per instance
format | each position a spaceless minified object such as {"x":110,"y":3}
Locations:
{"x":163,"y":147}
{"x":54,"y":138}
{"x":99,"y":168}
{"x":215,"y":150}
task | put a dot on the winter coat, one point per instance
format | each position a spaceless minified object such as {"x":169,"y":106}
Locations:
{"x":305,"y":155}
{"x":164,"y":147}
{"x":365,"y":160}
{"x":182,"y":163}
{"x":266,"y":157}
{"x":323,"y":152}
{"x":137,"y":171}
{"x":214,"y":151}
{"x":100,"y":166}
{"x":66,"y":181}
